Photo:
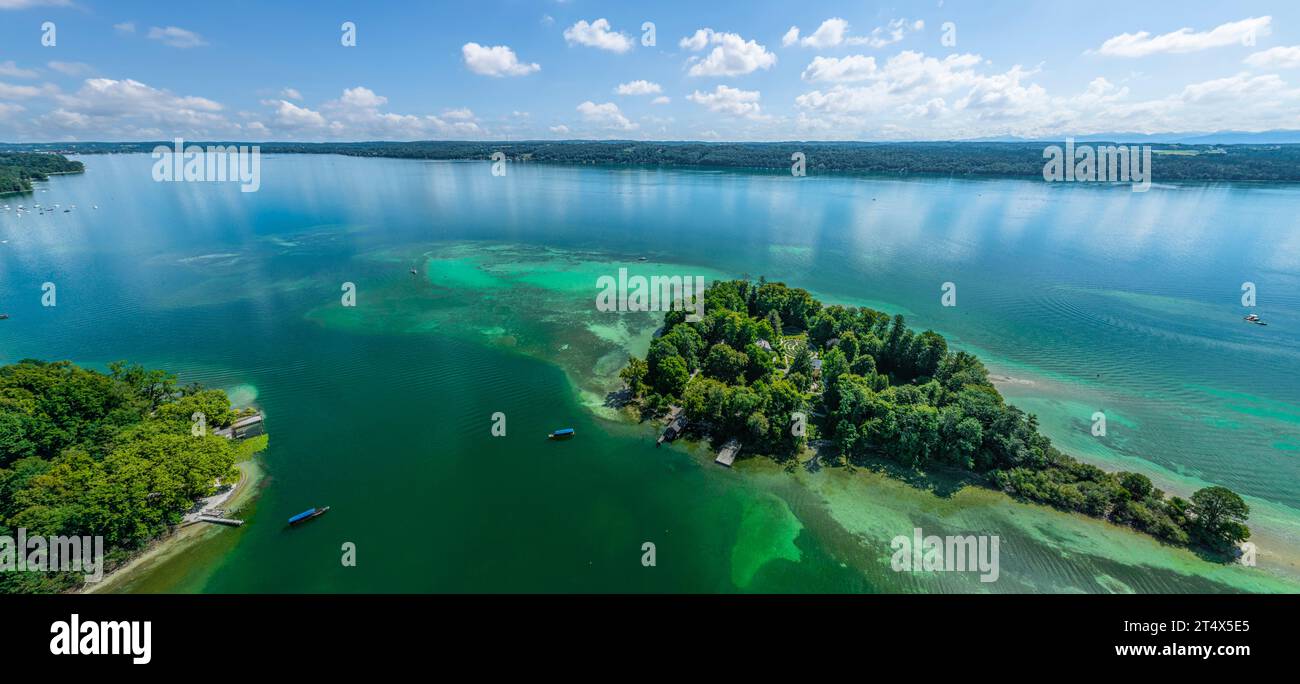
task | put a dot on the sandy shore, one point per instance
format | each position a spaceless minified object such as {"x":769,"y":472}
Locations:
{"x":182,"y":537}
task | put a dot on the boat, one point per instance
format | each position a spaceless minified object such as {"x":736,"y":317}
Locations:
{"x":565,"y":433}
{"x":308,"y":515}
{"x":414,"y":272}
{"x":4,"y":317}
{"x":1254,"y":318}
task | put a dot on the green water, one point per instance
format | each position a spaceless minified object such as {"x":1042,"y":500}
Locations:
{"x":384,"y":411}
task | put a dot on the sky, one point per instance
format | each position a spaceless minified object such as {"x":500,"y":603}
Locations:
{"x":85,"y":70}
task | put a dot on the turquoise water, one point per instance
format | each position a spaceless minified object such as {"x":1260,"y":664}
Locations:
{"x":1080,"y":298}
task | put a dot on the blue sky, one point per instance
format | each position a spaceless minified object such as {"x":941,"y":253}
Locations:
{"x":719,"y":70}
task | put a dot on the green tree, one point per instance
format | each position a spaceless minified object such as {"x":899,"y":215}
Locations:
{"x":672,"y":377}
{"x":634,"y":375}
{"x":1219,"y":515}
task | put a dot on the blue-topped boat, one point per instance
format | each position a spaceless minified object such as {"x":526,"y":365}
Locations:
{"x":308,"y":515}
{"x":565,"y":433}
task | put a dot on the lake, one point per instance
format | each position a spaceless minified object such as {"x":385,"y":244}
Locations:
{"x":1080,"y":298}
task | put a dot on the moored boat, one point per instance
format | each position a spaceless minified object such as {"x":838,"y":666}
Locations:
{"x":565,"y":433}
{"x":308,"y":515}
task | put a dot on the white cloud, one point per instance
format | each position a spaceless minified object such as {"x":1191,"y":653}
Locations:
{"x":1275,"y":58}
{"x":12,"y":70}
{"x":498,"y":60}
{"x":126,"y":108}
{"x":75,"y":69}
{"x":125,"y":27}
{"x":639,"y":87}
{"x":290,"y":116}
{"x":24,"y":4}
{"x":697,"y":41}
{"x":732,"y":55}
{"x":834,"y":32}
{"x":176,"y":37}
{"x":840,"y":69}
{"x":291,"y":94}
{"x":661,"y":100}
{"x":13,"y":92}
{"x":829,"y":34}
{"x":606,"y":115}
{"x":560,"y":128}
{"x":728,"y":100}
{"x":1183,"y":40}
{"x":357,"y":112}
{"x":597,"y":34}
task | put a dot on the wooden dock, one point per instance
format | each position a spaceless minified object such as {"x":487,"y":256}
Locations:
{"x":220,"y":521}
{"x":727,"y":455}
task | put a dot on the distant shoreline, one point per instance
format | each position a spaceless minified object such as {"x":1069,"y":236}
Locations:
{"x":1173,"y":162}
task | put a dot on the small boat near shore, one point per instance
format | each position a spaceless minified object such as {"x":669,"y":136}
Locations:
{"x":308,"y":515}
{"x":1254,"y":318}
{"x":565,"y":433}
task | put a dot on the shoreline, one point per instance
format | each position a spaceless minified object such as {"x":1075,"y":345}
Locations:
{"x":181,"y":537}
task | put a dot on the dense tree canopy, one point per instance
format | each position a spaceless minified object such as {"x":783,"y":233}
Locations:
{"x":888,"y":392}
{"x":112,"y":455}
{"x":19,"y":169}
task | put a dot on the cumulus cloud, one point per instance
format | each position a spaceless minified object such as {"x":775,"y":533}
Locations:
{"x":14,"y":92}
{"x":732,"y":55}
{"x":291,"y":94}
{"x":1184,"y":40}
{"x":840,"y":69}
{"x":75,"y":69}
{"x":640,"y":87}
{"x":12,"y":70}
{"x":1273,"y":58}
{"x":497,"y":60}
{"x":661,"y":100}
{"x":560,"y":129}
{"x":174,"y":36}
{"x":597,"y":34}
{"x":605,"y":115}
{"x":292,"y":117}
{"x":834,"y":32}
{"x":126,"y":108}
{"x":728,"y":100}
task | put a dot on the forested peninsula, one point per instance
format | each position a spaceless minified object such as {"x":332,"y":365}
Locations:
{"x":85,"y":453}
{"x":876,"y":391}
{"x":19,"y":169}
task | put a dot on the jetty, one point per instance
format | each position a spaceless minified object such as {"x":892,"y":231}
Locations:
{"x":727,"y":455}
{"x":248,"y":426}
{"x":219,"y":520}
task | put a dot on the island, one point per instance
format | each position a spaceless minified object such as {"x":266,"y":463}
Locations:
{"x":120,"y":455}
{"x":770,"y":370}
{"x":19,"y":169}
